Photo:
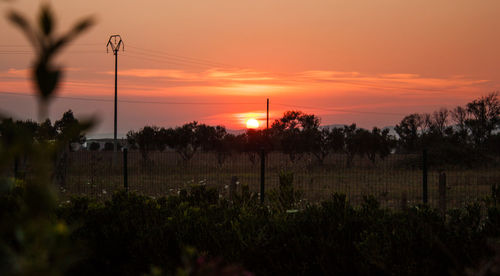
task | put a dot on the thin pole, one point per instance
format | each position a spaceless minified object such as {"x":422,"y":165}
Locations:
{"x":262,"y":175}
{"x":115,"y":42}
{"x":442,"y":192}
{"x":263,"y":160}
{"x":115,"y":142}
{"x":267,"y":120}
{"x":16,"y":167}
{"x":125,"y":169}
{"x":424,"y":176}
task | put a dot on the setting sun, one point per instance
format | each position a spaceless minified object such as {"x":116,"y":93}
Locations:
{"x":252,"y":123}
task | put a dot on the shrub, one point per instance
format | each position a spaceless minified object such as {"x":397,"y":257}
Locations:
{"x":130,"y":234}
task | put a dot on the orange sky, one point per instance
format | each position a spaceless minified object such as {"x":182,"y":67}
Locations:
{"x":369,"y":62}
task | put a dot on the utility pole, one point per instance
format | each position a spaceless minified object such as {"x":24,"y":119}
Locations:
{"x":267,"y":113}
{"x":114,"y":42}
{"x":263,"y":159}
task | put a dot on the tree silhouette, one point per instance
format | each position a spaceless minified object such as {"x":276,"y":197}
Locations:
{"x":296,"y":132}
{"x":252,"y":142}
{"x":69,"y":129}
{"x":483,"y":117}
{"x":351,"y":142}
{"x":376,"y":143}
{"x":322,"y":143}
{"x":409,"y":130}
{"x":220,"y":142}
{"x":46,"y":131}
{"x":459,"y":117}
{"x":147,"y":139}
{"x":187,"y":139}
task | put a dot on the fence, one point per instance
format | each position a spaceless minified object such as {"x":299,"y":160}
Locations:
{"x":395,"y":180}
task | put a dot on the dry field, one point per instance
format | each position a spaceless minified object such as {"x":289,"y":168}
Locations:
{"x":389,"y":180}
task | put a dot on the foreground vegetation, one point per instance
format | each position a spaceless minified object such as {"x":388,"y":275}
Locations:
{"x":196,"y":231}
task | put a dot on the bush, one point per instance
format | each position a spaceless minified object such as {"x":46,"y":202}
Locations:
{"x":286,"y":197}
{"x":130,"y":234}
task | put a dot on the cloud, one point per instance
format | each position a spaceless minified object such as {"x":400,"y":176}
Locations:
{"x":238,"y":75}
{"x":252,"y":82}
{"x":15,"y":73}
{"x":328,"y":87}
{"x":18,"y":72}
{"x":400,"y":76}
{"x":389,"y":83}
{"x":322,"y":74}
{"x":155,"y":73}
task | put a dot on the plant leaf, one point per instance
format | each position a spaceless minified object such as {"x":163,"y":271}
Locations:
{"x":47,"y":79}
{"x":83,"y":25}
{"x":18,"y":20}
{"x":46,"y":21}
{"x":77,"y":29}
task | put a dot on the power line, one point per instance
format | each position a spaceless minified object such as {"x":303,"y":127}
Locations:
{"x":29,"y":46}
{"x":386,"y":87}
{"x":163,"y":60}
{"x":155,"y":56}
{"x":143,"y":57}
{"x":185,"y":57}
{"x":167,"y":58}
{"x":341,"y":110}
{"x":131,"y":101}
{"x":204,"y":103}
{"x":176,"y":60}
{"x":17,"y":52}
{"x":150,"y":58}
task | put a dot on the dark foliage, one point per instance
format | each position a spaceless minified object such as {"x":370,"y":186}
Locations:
{"x":130,"y":234}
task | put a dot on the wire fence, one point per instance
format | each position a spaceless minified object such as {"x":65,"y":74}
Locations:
{"x":394,"y":181}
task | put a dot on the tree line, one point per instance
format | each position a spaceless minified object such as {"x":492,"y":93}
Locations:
{"x":66,"y":130}
{"x":468,"y":133}
{"x":463,"y":132}
{"x":58,"y":137}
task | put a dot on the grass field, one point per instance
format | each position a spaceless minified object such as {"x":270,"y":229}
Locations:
{"x":389,"y":180}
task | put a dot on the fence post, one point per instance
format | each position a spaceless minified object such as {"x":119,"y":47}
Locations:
{"x":232,"y":187}
{"x":125,"y":169}
{"x":442,"y":192}
{"x":404,"y":201}
{"x":262,"y":174}
{"x":424,"y":176}
{"x":16,"y":167}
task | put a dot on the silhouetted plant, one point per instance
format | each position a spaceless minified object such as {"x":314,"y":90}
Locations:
{"x":495,"y":194}
{"x":45,"y":73}
{"x":32,"y":240}
{"x":286,"y":197}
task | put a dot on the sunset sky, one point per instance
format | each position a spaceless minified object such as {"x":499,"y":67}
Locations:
{"x":216,"y":62}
